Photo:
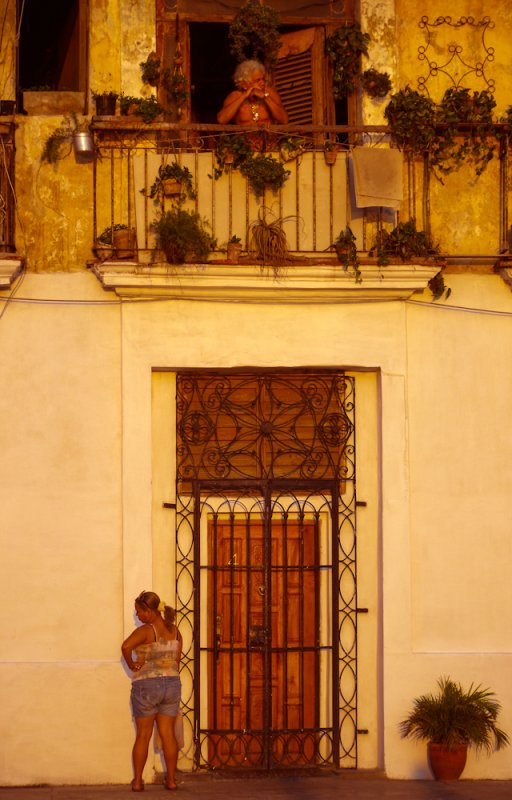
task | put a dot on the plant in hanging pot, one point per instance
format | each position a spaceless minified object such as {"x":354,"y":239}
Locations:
{"x":330,"y":151}
{"x":231,"y":151}
{"x":291,"y":147}
{"x":183,"y":236}
{"x":264,"y":172}
{"x":254,"y":34}
{"x":451,"y":721}
{"x":376,"y":84}
{"x":346,"y":251}
{"x":172,"y":180}
{"x":150,"y":69}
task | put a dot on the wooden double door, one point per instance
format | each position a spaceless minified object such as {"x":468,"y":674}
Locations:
{"x":268,"y":641}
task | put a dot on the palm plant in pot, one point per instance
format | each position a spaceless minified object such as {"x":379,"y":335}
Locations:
{"x":451,"y":721}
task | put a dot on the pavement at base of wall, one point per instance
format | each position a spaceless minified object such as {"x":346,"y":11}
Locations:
{"x":280,"y":787}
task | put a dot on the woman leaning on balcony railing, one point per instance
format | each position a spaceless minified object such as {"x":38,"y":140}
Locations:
{"x":254,"y":102}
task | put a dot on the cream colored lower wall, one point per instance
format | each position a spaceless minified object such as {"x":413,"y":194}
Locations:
{"x":82,"y":533}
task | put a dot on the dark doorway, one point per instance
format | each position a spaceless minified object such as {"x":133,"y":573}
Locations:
{"x":211,"y":69}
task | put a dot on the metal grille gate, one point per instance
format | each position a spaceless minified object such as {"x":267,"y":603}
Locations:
{"x":266,"y":568}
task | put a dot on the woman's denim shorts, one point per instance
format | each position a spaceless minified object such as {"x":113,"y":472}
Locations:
{"x":152,"y":696}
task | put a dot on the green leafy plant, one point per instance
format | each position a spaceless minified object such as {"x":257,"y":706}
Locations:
{"x":404,"y":242}
{"x":171,"y":171}
{"x":291,"y":147}
{"x":105,"y":236}
{"x":264,"y":172}
{"x":375,"y":83}
{"x":458,"y":129}
{"x":465,"y":130}
{"x":59,"y":143}
{"x":183,"y":236}
{"x":150,"y":69}
{"x":235,"y":240}
{"x":254,"y":34}
{"x":127,"y":102}
{"x":456,"y":716}
{"x":346,"y":251}
{"x":149,"y":109}
{"x":231,"y":150}
{"x":345,"y":47}
{"x":411,"y":117}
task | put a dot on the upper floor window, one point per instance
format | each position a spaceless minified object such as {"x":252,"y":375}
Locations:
{"x":53,"y":45}
{"x":303,"y":72}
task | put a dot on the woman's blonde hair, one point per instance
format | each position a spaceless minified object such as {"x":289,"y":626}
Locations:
{"x":152,"y":601}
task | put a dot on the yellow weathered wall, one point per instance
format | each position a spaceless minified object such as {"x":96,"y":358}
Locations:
{"x":81,"y":476}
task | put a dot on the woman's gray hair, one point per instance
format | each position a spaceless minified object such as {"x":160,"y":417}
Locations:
{"x":245,"y":69}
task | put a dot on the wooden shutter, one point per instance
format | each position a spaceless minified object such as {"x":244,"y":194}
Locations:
{"x":299,"y":76}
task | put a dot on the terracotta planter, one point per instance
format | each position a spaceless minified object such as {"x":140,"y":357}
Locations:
{"x":171,"y":187}
{"x":233,"y":252}
{"x":446,"y":764}
{"x":103,"y":251}
{"x":330,"y":156}
{"x":106,"y":105}
{"x":124,"y":242}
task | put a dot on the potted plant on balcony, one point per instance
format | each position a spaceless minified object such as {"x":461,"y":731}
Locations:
{"x":105,"y":102}
{"x":231,"y":150}
{"x":233,"y":249}
{"x":345,"y":47}
{"x":267,"y":239}
{"x":118,"y":240}
{"x":172,"y":180}
{"x":451,"y":721}
{"x":291,"y":147}
{"x":376,"y":84}
{"x":128,"y":104}
{"x":150,"y":69}
{"x":254,"y":34}
{"x":183,"y":236}
{"x":411,"y":117}
{"x":330,"y":151}
{"x":264,"y":172}
{"x":346,"y":251}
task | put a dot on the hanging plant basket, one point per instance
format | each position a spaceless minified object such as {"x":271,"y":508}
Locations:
{"x":171,"y":187}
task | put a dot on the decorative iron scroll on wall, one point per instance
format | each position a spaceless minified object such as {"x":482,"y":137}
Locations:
{"x":455,"y":55}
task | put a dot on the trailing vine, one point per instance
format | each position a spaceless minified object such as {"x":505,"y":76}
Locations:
{"x":345,"y":47}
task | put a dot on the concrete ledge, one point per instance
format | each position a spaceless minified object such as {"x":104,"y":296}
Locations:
{"x":314,"y":283}
{"x":10,"y":268}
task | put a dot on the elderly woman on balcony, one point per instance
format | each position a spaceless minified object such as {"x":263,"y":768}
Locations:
{"x":253,"y":102}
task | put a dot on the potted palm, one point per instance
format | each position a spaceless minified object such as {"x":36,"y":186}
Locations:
{"x":451,"y":721}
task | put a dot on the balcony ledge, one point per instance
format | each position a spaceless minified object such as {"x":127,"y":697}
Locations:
{"x":10,"y":268}
{"x":295,"y":283}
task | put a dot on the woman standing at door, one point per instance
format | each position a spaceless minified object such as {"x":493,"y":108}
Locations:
{"x":156,"y":687}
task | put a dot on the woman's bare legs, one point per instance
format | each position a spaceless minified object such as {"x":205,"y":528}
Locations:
{"x":165,"y":727}
{"x":140,"y":749}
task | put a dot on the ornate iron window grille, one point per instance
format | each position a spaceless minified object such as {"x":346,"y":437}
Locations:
{"x":272,"y":447}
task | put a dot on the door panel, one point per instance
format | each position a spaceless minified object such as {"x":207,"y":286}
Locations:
{"x":264,"y":677}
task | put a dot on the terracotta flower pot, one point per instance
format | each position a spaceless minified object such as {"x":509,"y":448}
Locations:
{"x":233,"y":252}
{"x":330,"y":156}
{"x":171,"y":187}
{"x":446,"y":764}
{"x":124,"y":242}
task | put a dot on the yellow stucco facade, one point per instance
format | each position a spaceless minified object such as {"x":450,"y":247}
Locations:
{"x":89,"y":435}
